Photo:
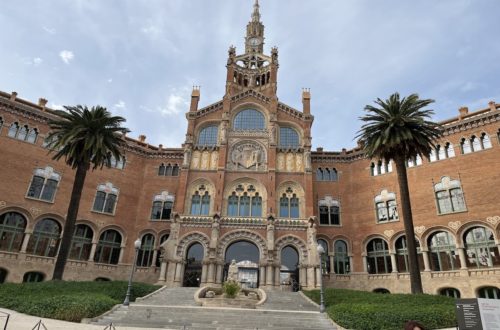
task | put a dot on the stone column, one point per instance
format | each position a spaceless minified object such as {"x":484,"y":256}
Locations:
{"x":332,"y":263}
{"x":277,"y":278}
{"x":163,"y":272}
{"x":122,"y":251}
{"x":365,"y":264}
{"x":427,"y":264}
{"x":92,"y":251}
{"x":318,"y":277}
{"x":311,"y":277}
{"x":204,"y":273}
{"x":463,"y":260}
{"x":26,"y":240}
{"x":351,"y":265}
{"x":178,"y":274}
{"x":394,"y":263}
{"x":211,"y":274}
{"x":302,"y":276}
{"x":155,"y":255}
{"x":171,"y":268}
{"x":218,"y":275}
{"x":262,"y":275}
{"x":269,"y":275}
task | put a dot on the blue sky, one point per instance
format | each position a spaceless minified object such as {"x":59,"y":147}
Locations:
{"x":140,"y":58}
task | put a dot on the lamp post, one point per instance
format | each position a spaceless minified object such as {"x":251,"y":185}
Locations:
{"x":137,"y":245}
{"x":321,"y":250}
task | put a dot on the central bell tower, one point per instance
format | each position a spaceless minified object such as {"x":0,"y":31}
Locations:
{"x":253,"y":69}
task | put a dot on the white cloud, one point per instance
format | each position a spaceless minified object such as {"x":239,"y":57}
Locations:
{"x":110,"y":80}
{"x":66,"y":55}
{"x":37,"y":61}
{"x":49,"y":30}
{"x":176,"y":103}
{"x":56,"y":106}
{"x":120,"y":105}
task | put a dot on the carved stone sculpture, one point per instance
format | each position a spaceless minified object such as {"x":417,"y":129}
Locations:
{"x":232,"y":274}
{"x":247,"y":155}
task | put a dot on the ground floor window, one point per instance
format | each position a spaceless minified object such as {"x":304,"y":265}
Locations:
{"x":489,"y":292}
{"x":81,"y":243}
{"x":3,"y":275}
{"x":378,"y":259}
{"x":443,"y":254}
{"x":402,"y":255}
{"x":108,"y":248}
{"x":450,"y":292}
{"x":341,"y":259}
{"x":33,"y":277}
{"x":145,"y":255}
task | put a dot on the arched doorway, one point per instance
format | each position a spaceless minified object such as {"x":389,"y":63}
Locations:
{"x":289,"y":272}
{"x":192,"y":271}
{"x":246,"y":255}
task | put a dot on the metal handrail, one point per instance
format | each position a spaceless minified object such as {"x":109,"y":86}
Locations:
{"x":7,"y":316}
{"x":111,"y":326}
{"x":38,"y":325}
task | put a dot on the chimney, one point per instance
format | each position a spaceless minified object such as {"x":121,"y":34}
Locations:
{"x":463,"y":111}
{"x":344,"y":151}
{"x":195,"y":98}
{"x":493,"y":106}
{"x":42,"y":103}
{"x":13,"y":96}
{"x":142,"y":138}
{"x":319,"y":149}
{"x":306,"y":101}
{"x":160,"y":147}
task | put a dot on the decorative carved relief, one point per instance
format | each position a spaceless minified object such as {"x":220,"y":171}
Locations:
{"x":281,"y":161}
{"x":195,"y":161}
{"x":454,"y":224}
{"x":294,"y":241}
{"x":205,"y":160}
{"x":186,"y":241}
{"x":493,"y":220}
{"x":35,"y":211}
{"x":389,"y":233}
{"x":420,"y":229}
{"x":214,"y":160}
{"x":290,"y":161}
{"x":247,"y":155}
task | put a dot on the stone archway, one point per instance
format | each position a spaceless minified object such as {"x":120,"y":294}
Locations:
{"x":246,"y":255}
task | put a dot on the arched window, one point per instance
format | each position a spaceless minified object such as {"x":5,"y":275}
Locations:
{"x":145,"y":255}
{"x":244,"y":202}
{"x":402,"y":255}
{"x":249,"y":119}
{"x":414,"y":161}
{"x":382,"y":291}
{"x":386,"y":206}
{"x":489,"y":292}
{"x":193,"y":265}
{"x":450,"y":292}
{"x":443,"y":252}
{"x":162,"y":206}
{"x":325,"y":259}
{"x":161,"y":170}
{"x":289,"y":138}
{"x":449,"y":196}
{"x":449,"y":150}
{"x":163,"y":238}
{"x":433,"y":156}
{"x":329,"y":211}
{"x":33,"y":277}
{"x":168,"y":171}
{"x":22,"y":133}
{"x":289,"y":205}
{"x":14,"y":127}
{"x":12,"y":225}
{"x":380,"y":167}
{"x":480,"y":248}
{"x":200,"y":202}
{"x":81,"y":243}
{"x":32,"y":135}
{"x":289,"y":272}
{"x":378,"y":259}
{"x":208,"y":136}
{"x":45,"y":238}
{"x":441,"y":152}
{"x":485,"y":141}
{"x":175,"y":170}
{"x":102,"y":279}
{"x":3,"y":271}
{"x":465,"y":146}
{"x":105,"y":198}
{"x":43,"y":185}
{"x":1,"y":123}
{"x":475,"y":143}
{"x":108,"y":248}
{"x":117,"y":163}
{"x":319,"y":174}
{"x":341,"y":263}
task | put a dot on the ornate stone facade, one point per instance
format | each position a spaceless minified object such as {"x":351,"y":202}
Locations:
{"x":252,"y":183}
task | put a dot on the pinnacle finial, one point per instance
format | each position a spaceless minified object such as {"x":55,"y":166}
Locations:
{"x":256,"y":13}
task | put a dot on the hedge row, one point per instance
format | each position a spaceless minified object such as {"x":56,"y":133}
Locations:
{"x":366,"y":310}
{"x":69,"y":301}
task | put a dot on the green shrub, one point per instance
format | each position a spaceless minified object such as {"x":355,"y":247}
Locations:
{"x":231,"y":289}
{"x":366,"y":310}
{"x":69,"y":301}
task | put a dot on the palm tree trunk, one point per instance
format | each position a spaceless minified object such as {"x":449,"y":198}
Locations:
{"x":69,"y":227}
{"x":415,"y":279}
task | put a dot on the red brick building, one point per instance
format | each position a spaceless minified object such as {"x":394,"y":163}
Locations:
{"x":245,"y":185}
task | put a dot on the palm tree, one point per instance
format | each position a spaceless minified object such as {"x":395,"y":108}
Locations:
{"x":85,"y":138}
{"x":399,"y":130}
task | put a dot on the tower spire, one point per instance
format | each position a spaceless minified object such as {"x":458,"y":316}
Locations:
{"x":256,"y":13}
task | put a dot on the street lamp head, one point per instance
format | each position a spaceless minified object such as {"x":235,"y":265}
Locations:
{"x":137,"y":244}
{"x":321,"y":249}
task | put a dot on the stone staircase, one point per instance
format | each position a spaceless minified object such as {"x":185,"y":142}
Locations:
{"x":174,"y":308}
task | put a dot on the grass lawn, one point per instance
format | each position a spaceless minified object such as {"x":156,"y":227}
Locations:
{"x":69,"y":301}
{"x":369,"y":311}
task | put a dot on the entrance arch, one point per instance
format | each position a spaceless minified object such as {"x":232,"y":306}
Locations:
{"x":193,"y":267}
{"x":247,"y":255}
{"x":289,"y":271}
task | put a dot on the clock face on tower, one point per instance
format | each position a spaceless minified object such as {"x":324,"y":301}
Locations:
{"x":254,"y":41}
